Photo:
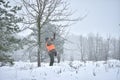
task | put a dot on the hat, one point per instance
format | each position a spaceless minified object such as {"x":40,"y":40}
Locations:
{"x":46,"y":38}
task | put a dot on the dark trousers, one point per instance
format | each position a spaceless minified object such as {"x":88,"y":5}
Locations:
{"x":52,"y":54}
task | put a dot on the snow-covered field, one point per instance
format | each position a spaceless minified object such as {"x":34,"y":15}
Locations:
{"x":67,"y":70}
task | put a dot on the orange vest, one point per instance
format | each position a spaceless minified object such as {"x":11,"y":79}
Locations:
{"x":50,"y":47}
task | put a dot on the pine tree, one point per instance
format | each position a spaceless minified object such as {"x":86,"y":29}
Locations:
{"x":8,"y":29}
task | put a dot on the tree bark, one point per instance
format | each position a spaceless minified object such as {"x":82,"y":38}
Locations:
{"x":39,"y":41}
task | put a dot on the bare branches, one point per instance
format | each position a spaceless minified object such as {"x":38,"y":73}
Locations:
{"x":27,"y":5}
{"x":49,"y":11}
{"x":42,"y":13}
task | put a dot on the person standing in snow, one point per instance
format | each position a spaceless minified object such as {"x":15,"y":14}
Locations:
{"x":51,"y":49}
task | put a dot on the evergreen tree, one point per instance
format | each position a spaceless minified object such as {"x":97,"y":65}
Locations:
{"x":8,"y":28}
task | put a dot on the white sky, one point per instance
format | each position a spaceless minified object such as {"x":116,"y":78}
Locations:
{"x":103,"y":17}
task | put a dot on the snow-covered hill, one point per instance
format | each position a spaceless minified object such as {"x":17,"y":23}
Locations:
{"x":68,"y":70}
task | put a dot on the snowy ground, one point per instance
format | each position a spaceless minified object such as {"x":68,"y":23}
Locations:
{"x":63,"y":71}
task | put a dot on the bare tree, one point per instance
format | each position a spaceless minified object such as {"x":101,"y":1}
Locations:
{"x":39,"y":13}
{"x":91,"y":47}
{"x":96,"y":47}
{"x":118,"y":49}
{"x":107,"y":48}
{"x":81,"y":47}
{"x":114,"y":48}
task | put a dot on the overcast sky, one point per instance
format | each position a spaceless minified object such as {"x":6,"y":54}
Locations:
{"x":103,"y":17}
